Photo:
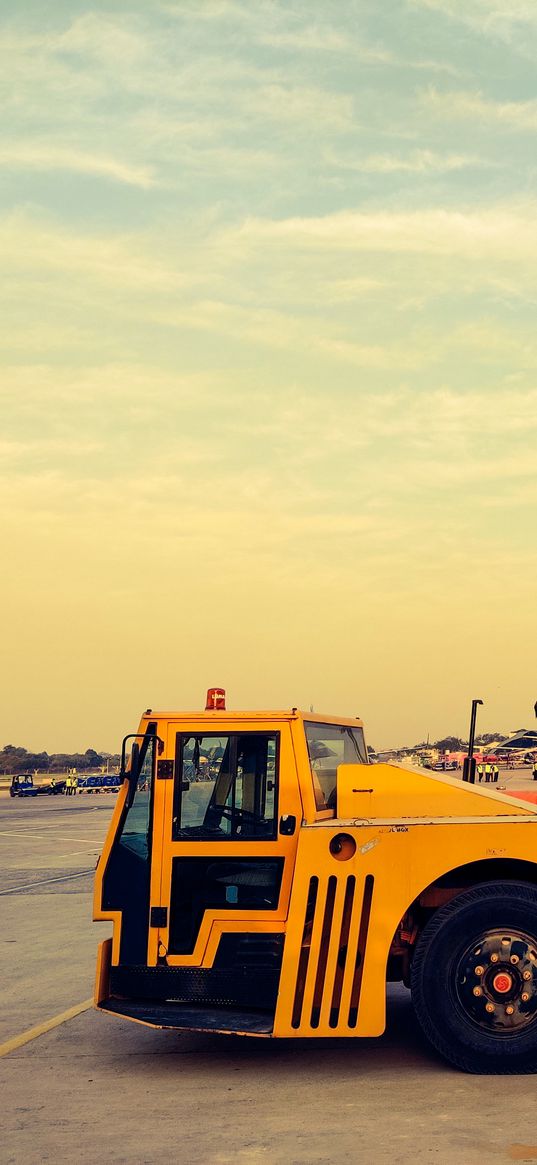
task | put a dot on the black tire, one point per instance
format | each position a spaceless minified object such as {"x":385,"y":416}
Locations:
{"x":481,"y":1022}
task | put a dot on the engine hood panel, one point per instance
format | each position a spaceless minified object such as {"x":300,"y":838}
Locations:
{"x":383,"y":790}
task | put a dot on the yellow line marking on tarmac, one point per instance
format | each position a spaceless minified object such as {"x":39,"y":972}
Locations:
{"x":76,"y":853}
{"x":47,"y":881}
{"x":44,"y":836}
{"x":42,"y":1028}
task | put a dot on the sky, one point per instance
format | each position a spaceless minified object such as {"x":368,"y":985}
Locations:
{"x":268,"y":374}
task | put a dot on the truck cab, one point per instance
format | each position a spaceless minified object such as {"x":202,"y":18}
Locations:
{"x":262,"y":878}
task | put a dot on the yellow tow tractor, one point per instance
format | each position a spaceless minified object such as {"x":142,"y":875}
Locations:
{"x":262,"y":878}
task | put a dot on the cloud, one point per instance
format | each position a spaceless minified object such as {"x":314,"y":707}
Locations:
{"x":279,"y":330}
{"x":459,"y":105}
{"x":200,"y":415}
{"x":493,"y":18}
{"x":415,"y":162}
{"x":43,"y":449}
{"x":299,"y":104}
{"x":286,"y":285}
{"x":312,"y":38}
{"x":110,"y":42}
{"x":112,"y":259}
{"x":502,"y":232}
{"x":211,"y":11}
{"x":42,"y":156}
{"x":280,"y":27}
{"x":141,"y":72}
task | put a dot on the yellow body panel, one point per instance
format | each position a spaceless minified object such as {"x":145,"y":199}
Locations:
{"x":383,"y":790}
{"x":402,"y":859}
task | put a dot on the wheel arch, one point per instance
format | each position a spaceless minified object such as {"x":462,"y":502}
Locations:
{"x":470,"y":874}
{"x":444,"y":889}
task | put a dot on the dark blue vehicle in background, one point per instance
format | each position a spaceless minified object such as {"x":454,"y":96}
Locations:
{"x":100,"y":784}
{"x":22,"y":785}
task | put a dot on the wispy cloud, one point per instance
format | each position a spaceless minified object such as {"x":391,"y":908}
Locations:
{"x":269,"y":328}
{"x":314,"y":38}
{"x":415,"y":162}
{"x":474,"y":107}
{"x":112,"y":258}
{"x":504,"y":232}
{"x":42,"y":156}
{"x":490,"y":17}
{"x":278,"y":26}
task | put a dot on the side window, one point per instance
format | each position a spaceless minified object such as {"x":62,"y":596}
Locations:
{"x":330,"y":745}
{"x":135,"y":834}
{"x":226,"y":786}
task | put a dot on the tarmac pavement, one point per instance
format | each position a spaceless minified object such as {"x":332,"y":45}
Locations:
{"x":97,"y":1087}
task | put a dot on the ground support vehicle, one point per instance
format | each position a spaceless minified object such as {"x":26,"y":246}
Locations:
{"x":22,"y":786}
{"x":263,"y":878}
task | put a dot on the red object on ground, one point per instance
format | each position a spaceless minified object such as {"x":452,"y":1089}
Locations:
{"x":523,"y":794}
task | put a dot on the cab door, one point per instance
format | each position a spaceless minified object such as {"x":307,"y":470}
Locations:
{"x":233,"y":812}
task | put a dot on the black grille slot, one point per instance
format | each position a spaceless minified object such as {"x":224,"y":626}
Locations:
{"x":323,"y":953}
{"x":342,"y":950}
{"x":360,"y":954}
{"x":304,"y":952}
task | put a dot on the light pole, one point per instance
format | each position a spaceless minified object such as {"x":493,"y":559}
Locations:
{"x":468,"y":772}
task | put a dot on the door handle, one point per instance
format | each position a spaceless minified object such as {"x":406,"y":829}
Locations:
{"x":287,"y":824}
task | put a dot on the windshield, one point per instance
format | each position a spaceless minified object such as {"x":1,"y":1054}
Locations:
{"x":330,"y":745}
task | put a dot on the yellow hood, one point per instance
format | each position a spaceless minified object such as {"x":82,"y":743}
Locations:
{"x":388,"y":791}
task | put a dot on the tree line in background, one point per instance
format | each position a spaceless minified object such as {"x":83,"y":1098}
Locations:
{"x":457,"y":744}
{"x":18,"y":760}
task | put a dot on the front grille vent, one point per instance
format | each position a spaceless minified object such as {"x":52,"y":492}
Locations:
{"x":331,"y":959}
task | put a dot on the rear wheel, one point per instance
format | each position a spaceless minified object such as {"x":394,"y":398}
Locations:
{"x":474,"y":979}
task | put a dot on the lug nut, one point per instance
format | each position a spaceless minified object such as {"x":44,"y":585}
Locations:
{"x":514,"y":959}
{"x":479,"y":971}
{"x":494,"y":958}
{"x":525,"y":996}
{"x":509,"y":1009}
{"x":490,"y":1008}
{"x":526,"y":975}
{"x":478,"y":991}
